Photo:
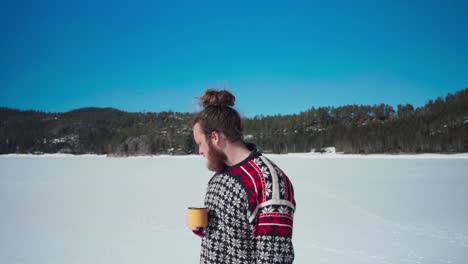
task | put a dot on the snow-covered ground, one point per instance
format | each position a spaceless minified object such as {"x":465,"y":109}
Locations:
{"x":350,"y":208}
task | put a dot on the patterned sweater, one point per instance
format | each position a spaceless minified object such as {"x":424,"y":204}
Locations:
{"x":250,"y":211}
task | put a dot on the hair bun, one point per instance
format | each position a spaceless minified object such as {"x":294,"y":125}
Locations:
{"x":213,"y":97}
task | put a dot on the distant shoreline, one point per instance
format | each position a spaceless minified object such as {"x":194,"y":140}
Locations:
{"x":310,"y":155}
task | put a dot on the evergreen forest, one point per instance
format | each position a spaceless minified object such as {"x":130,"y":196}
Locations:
{"x":440,"y":126}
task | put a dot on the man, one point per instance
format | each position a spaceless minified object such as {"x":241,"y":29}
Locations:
{"x":250,"y":200}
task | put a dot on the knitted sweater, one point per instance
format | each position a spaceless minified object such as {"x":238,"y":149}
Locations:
{"x":250,"y":211}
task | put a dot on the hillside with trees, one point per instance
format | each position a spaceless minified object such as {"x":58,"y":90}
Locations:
{"x":440,"y":126}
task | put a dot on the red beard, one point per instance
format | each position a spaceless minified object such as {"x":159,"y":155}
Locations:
{"x":216,"y":159}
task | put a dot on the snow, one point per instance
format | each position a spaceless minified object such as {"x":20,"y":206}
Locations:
{"x":332,"y":155}
{"x":61,"y":208}
{"x":52,"y":155}
{"x":329,"y":153}
{"x":248,"y":137}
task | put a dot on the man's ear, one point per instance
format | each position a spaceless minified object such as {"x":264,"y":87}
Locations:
{"x":215,"y":137}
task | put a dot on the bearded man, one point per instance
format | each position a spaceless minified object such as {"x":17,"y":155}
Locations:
{"x":250,"y":199}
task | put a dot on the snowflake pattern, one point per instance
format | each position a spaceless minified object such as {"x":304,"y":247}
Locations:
{"x":258,"y":161}
{"x":268,"y":209}
{"x":283,"y":209}
{"x":268,"y":188}
{"x":240,"y":228}
{"x":282,"y":189}
{"x":265,"y":171}
{"x":229,"y":237}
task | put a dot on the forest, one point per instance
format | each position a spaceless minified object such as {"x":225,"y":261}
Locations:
{"x":440,"y":126}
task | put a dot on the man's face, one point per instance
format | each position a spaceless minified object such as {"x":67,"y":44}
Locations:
{"x":216,"y":158}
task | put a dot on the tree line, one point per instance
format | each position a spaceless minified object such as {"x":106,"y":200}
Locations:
{"x":440,"y":126}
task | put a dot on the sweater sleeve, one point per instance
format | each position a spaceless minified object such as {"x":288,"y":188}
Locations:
{"x":198,"y":232}
{"x":274,"y":250}
{"x":272,"y":219}
{"x":273,"y":232}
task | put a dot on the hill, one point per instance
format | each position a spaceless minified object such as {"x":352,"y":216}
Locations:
{"x":440,"y":126}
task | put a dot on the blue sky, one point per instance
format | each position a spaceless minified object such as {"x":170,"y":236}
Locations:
{"x":275,"y":56}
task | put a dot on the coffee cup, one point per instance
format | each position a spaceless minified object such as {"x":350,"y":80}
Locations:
{"x":198,"y":217}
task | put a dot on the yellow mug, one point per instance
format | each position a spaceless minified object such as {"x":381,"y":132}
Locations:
{"x":198,"y":216}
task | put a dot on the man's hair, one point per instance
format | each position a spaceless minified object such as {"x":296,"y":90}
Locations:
{"x":218,"y":115}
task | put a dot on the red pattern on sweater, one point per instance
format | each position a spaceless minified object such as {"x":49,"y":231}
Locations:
{"x":268,"y":223}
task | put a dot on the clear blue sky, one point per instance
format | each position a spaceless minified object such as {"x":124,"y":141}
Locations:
{"x":275,"y":56}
